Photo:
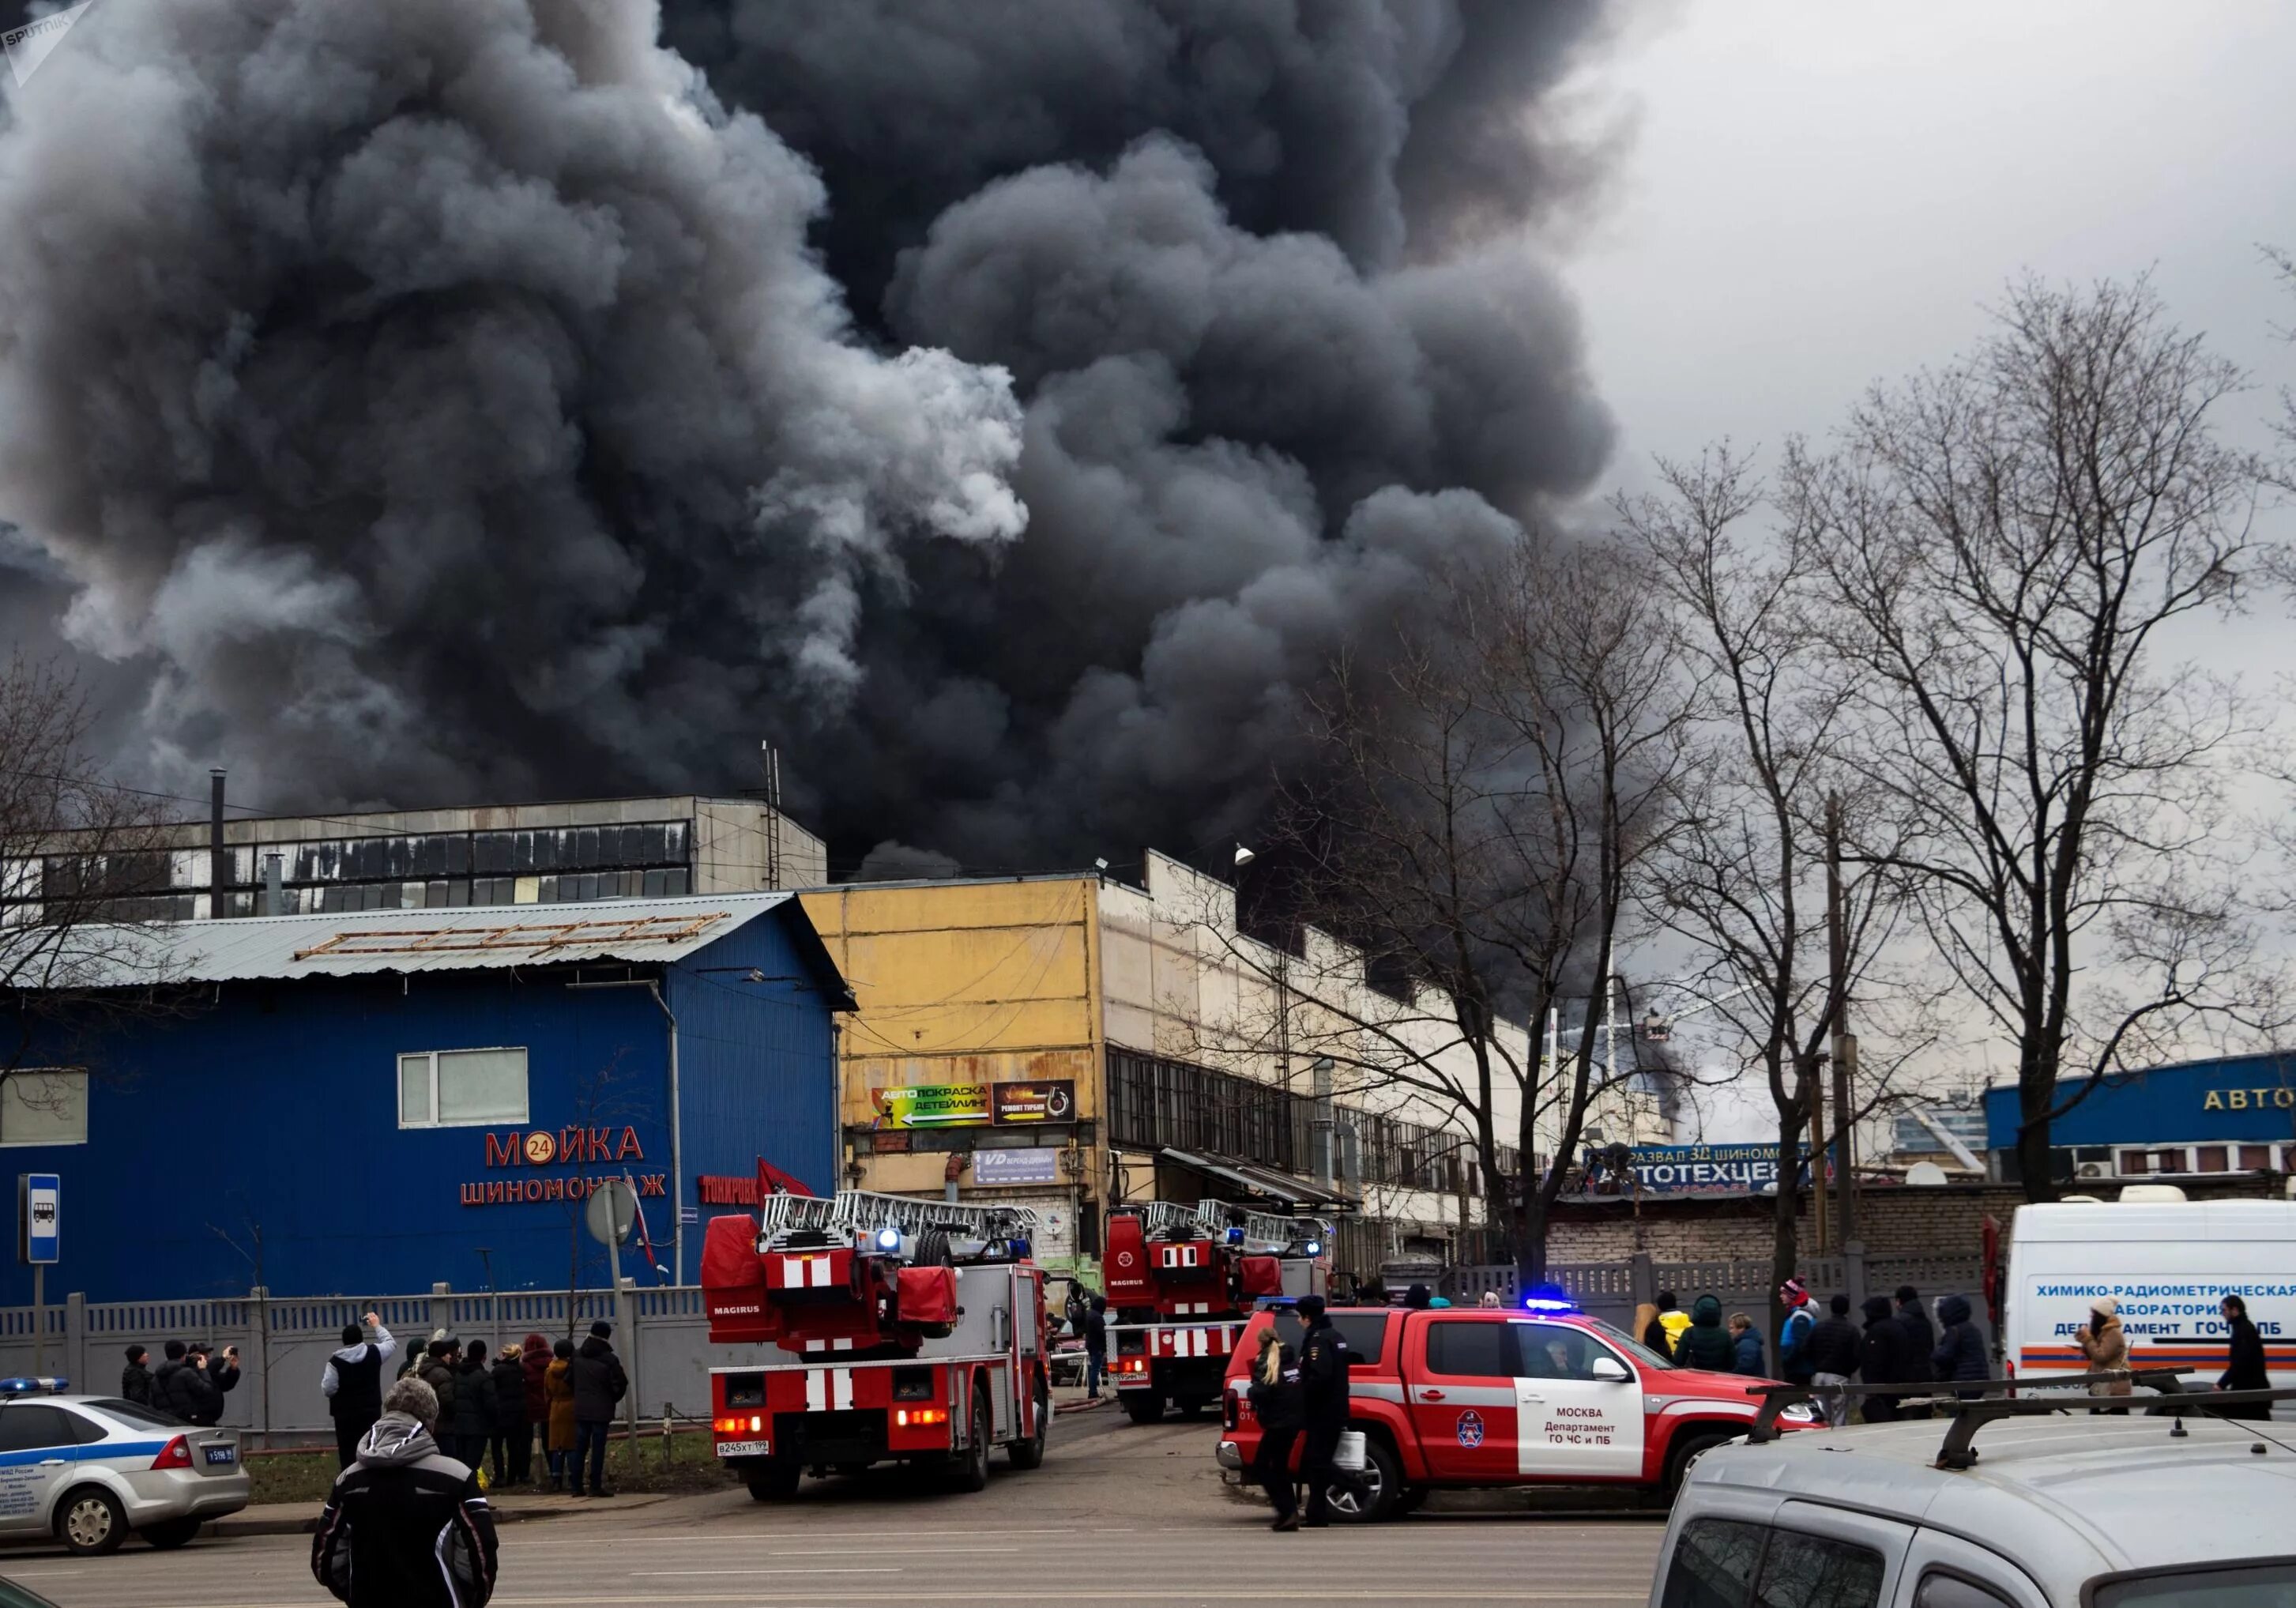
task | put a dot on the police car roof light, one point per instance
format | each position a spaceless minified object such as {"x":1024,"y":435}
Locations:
{"x":23,"y":1386}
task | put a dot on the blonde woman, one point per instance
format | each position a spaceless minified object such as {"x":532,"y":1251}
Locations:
{"x":1275,"y":1403}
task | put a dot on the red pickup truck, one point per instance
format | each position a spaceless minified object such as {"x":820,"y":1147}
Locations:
{"x":1458,"y":1397}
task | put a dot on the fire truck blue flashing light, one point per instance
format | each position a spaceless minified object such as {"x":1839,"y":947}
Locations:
{"x":888,"y":1239}
{"x":1549,"y":1303}
{"x":1314,"y":1247}
{"x":1235,"y":1236}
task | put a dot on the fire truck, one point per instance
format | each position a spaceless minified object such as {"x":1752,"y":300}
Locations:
{"x":889,"y":1329}
{"x":1184,"y":1279}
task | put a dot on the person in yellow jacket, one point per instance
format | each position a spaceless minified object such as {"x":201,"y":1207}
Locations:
{"x":1663,"y":1330}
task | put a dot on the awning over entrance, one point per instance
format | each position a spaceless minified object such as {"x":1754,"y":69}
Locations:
{"x":1260,"y":1180}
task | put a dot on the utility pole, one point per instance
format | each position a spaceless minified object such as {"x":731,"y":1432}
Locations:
{"x":771,"y":758}
{"x":1845,"y":1042}
{"x":1815,"y":1082}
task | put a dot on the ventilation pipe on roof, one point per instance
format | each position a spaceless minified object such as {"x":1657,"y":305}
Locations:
{"x":219,"y":857}
{"x":274,"y":896}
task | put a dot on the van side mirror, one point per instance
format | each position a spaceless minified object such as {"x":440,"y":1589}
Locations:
{"x":1610,"y":1370}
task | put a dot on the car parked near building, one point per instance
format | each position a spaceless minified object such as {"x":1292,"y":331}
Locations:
{"x":1463,"y":1397}
{"x":2063,"y":1511}
{"x":88,"y":1471}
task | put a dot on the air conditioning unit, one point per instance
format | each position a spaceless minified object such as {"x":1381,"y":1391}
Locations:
{"x":2092,"y":1169}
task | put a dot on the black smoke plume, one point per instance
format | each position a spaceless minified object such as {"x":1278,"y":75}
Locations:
{"x":1006,"y":406}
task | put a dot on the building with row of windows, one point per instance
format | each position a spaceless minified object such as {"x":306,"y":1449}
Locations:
{"x":2230,"y":1114}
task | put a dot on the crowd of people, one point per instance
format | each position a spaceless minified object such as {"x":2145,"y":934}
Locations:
{"x":1897,"y":1343}
{"x":190,"y":1382}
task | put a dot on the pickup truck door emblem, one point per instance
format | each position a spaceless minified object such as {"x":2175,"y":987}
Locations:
{"x":1470,"y":1428}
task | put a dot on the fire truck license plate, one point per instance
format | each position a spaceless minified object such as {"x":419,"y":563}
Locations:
{"x":745,"y":1449}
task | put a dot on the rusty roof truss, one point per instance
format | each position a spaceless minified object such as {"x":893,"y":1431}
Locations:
{"x":535,"y":940}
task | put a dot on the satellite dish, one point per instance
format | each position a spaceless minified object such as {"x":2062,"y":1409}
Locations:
{"x":1925,"y":1174}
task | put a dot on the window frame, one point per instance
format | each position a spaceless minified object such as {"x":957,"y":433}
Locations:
{"x":79,"y":1072}
{"x":1509,"y":1355}
{"x":1773,"y":1528}
{"x":399,"y":1086}
{"x":1959,"y":1576}
{"x":2096,"y":1584}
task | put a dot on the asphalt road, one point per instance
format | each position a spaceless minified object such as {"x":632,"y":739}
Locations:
{"x":1117,"y":1514}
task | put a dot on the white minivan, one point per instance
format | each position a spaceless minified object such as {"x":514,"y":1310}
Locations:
{"x":2169,"y":1264}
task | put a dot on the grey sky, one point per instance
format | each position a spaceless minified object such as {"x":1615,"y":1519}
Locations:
{"x":1812,"y":197}
{"x":1818,"y":195}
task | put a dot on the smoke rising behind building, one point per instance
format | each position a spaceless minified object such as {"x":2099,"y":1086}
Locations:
{"x":1007,"y":408}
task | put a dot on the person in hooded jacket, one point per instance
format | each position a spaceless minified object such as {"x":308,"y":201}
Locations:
{"x":181,"y":1386}
{"x":1833,"y":1355}
{"x":437,"y":1371}
{"x":1921,"y":1340}
{"x":1705,"y":1343}
{"x":1793,"y":1336}
{"x":534,"y":1360}
{"x":1885,"y":1355}
{"x":135,"y":1378}
{"x":2106,"y":1348}
{"x":511,"y":1446}
{"x":1667,"y":1327}
{"x":1959,"y":1356}
{"x":406,"y":1526}
{"x":2248,"y":1371}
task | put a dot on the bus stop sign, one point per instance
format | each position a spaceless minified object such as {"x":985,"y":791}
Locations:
{"x":37,"y":1229}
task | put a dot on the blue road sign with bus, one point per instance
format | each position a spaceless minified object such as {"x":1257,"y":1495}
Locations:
{"x":38,"y":1216}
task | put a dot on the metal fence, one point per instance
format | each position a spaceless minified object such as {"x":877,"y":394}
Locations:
{"x":661,"y":1334}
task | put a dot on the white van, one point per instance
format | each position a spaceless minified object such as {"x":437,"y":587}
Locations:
{"x":2169,"y":1264}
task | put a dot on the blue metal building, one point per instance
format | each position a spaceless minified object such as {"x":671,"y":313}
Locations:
{"x":374,"y":1104}
{"x":2235,"y":1113}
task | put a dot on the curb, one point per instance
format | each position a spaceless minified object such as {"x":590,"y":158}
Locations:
{"x":234,"y":1525}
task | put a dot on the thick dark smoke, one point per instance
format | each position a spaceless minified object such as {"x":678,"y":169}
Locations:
{"x":462,"y":398}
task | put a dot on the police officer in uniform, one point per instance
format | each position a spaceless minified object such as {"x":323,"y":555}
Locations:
{"x":1323,"y":1359}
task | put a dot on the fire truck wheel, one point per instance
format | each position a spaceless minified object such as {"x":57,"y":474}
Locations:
{"x":1031,"y":1453}
{"x":773,"y":1480}
{"x":1143,"y":1406}
{"x":972,"y":1462}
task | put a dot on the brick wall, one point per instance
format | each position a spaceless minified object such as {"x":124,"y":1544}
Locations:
{"x":1945,"y":1221}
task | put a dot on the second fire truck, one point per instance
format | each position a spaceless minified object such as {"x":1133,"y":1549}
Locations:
{"x":885,"y":1328}
{"x":1183,"y":1279}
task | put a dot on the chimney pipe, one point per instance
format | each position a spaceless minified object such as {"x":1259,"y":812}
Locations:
{"x":274,"y":896}
{"x":219,"y":858}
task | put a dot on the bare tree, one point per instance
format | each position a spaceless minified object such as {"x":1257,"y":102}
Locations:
{"x":1743,"y":880}
{"x":1997,"y":551}
{"x":71,"y":846}
{"x":1488,"y":795}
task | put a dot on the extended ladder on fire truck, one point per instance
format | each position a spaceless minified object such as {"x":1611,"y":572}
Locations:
{"x":919,"y":1330}
{"x":1184,"y":1278}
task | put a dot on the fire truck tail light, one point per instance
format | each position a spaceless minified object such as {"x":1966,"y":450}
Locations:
{"x":919,"y":1417}
{"x":1132,"y":1365}
{"x":741,"y":1424}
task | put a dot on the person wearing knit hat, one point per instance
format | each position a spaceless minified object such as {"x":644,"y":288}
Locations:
{"x":2106,"y":1348}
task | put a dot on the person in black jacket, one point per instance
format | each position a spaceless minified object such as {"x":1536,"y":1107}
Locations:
{"x":352,"y":1384}
{"x":181,"y":1386}
{"x":1706,"y":1343}
{"x":474,"y":1407}
{"x":222,"y":1370}
{"x":1276,"y":1402}
{"x":1832,"y":1357}
{"x":1885,"y":1357}
{"x":512,"y":1444}
{"x":1323,"y":1398}
{"x":2248,"y":1371}
{"x":1960,"y":1353}
{"x":406,"y":1526}
{"x":1094,"y":1327}
{"x":135,"y":1378}
{"x":599,"y":1382}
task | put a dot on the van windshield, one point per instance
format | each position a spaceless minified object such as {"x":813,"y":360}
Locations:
{"x":2255,"y":1585}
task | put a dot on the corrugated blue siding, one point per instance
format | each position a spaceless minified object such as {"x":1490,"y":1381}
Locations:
{"x":757,"y":1060}
{"x":270,"y":1112}
{"x":2239,"y":1098}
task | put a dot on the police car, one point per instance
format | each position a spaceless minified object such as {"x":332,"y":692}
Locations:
{"x":89,"y":1471}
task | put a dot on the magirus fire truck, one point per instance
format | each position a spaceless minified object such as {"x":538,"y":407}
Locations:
{"x":888,"y":1328}
{"x":1182,"y":1280}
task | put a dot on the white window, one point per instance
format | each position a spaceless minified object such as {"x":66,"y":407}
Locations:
{"x":44,"y":1106}
{"x":451,"y":1089}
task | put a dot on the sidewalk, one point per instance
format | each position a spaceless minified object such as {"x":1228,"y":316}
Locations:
{"x":510,"y":1507}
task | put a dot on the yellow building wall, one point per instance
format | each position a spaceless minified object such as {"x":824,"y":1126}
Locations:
{"x":964,"y":983}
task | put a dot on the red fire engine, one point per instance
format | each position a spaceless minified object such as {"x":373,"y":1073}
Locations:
{"x":918,"y":1328}
{"x":1184,"y":1279}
